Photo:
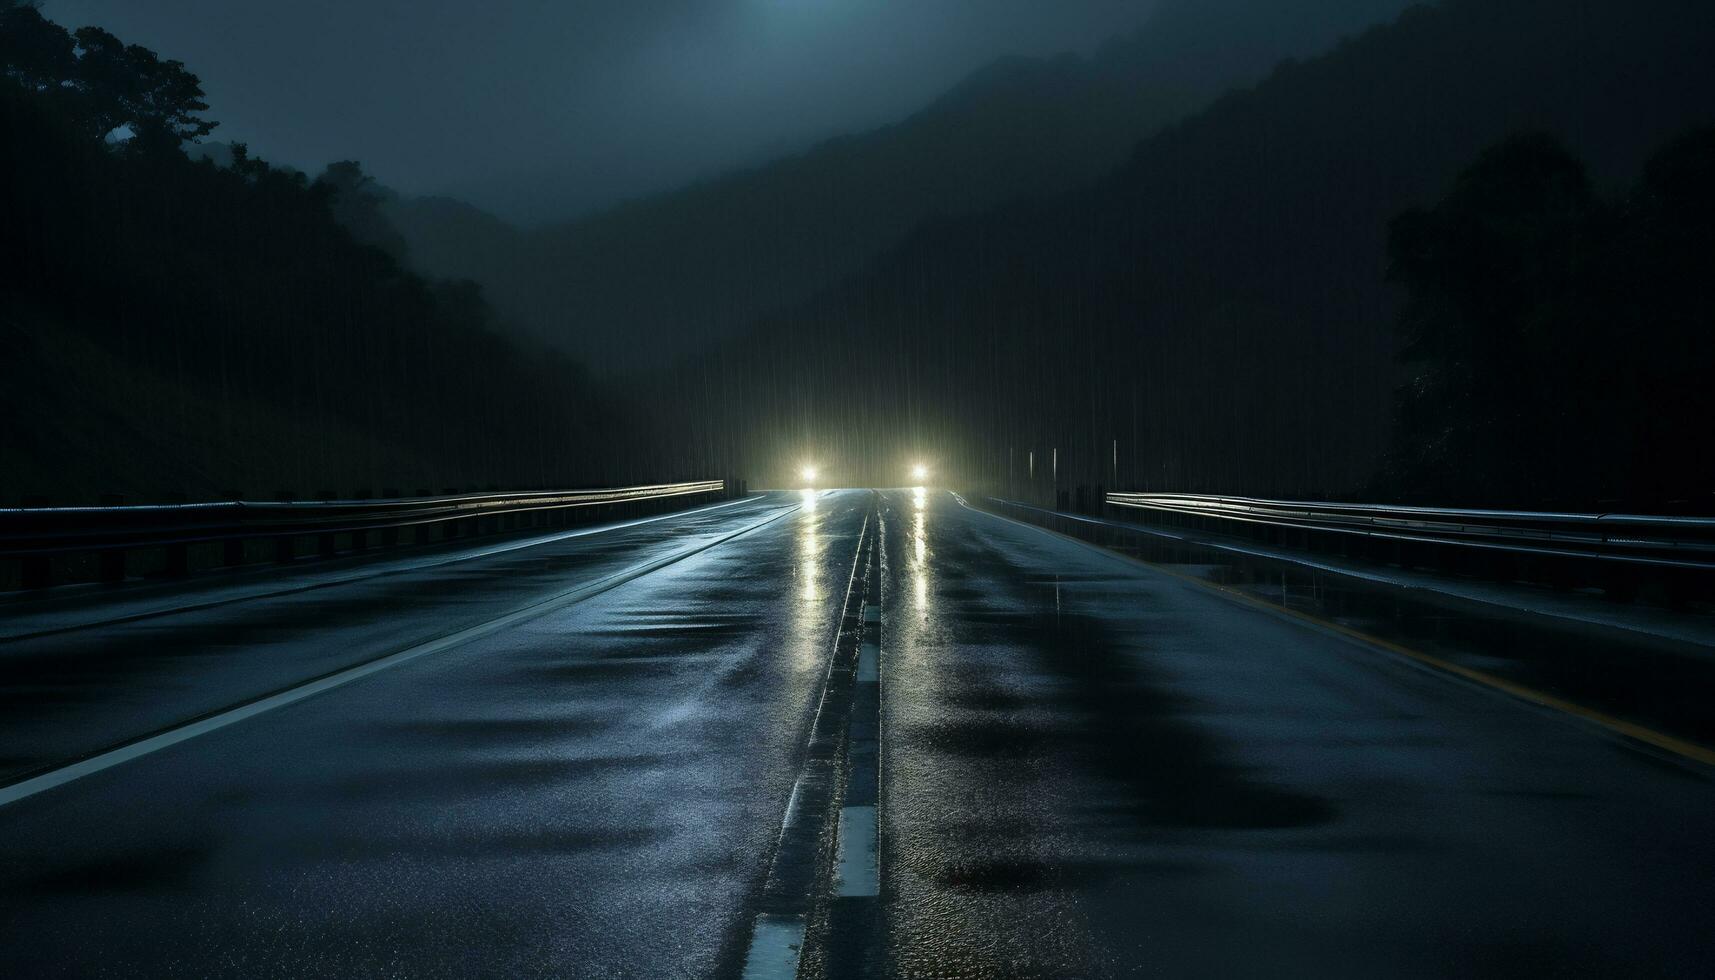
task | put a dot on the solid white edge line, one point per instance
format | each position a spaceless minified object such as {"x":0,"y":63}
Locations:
{"x":173,"y":736}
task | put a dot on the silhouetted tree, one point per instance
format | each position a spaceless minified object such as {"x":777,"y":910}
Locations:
{"x":356,"y":200}
{"x":35,"y":53}
{"x":126,"y":86}
{"x":103,"y":84}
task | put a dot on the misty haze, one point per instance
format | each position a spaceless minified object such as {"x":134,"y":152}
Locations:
{"x":845,"y":488}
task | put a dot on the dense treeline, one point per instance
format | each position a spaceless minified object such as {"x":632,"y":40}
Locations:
{"x":1216,"y":315}
{"x":1559,"y":339}
{"x":176,"y":328}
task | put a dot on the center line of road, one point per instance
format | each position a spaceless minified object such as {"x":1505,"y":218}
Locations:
{"x":154,"y":743}
{"x":789,"y":892}
{"x":854,"y":908}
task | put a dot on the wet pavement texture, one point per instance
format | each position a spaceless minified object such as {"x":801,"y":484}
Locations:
{"x":1088,"y":768}
{"x":78,"y":691}
{"x":1574,"y":647}
{"x":1097,"y":769}
{"x":591,"y":793}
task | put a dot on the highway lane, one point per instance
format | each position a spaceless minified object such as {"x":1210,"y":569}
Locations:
{"x":80,"y":690}
{"x":1097,"y":769}
{"x":591,"y":793}
{"x":1087,"y":768}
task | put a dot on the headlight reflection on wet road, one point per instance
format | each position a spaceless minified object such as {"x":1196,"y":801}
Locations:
{"x":810,"y":545}
{"x":920,"y":550}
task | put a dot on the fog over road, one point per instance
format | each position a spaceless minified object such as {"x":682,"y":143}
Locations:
{"x":579,"y":754}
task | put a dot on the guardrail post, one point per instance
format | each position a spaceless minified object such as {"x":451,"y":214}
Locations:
{"x":110,"y":565}
{"x":178,"y":555}
{"x":36,"y":572}
{"x":1620,"y":583}
{"x":232,"y":551}
{"x":178,"y":560}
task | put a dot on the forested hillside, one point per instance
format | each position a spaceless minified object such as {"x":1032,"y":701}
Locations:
{"x":174,"y":328}
{"x":1222,"y":299}
{"x":1558,"y":336}
{"x":689,"y":268}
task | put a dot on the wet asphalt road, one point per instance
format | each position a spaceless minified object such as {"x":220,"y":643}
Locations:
{"x":1087,"y":768}
{"x":1095,"y":769}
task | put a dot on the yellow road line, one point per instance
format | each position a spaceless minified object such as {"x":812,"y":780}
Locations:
{"x":1649,"y":736}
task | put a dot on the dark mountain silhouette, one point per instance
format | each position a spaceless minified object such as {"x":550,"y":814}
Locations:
{"x":690,"y":267}
{"x":176,"y":328}
{"x":1218,"y":307}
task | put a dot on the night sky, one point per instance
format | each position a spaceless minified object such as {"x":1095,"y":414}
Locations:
{"x":541,"y":109}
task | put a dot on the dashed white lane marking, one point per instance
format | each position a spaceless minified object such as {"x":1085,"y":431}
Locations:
{"x":173,"y":736}
{"x":858,"y":870}
{"x":869,"y":659}
{"x":774,"y":948}
{"x":777,"y":938}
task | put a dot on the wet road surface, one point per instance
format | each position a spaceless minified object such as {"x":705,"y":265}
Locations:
{"x":77,"y":681}
{"x":1077,"y":766}
{"x":1095,"y":769}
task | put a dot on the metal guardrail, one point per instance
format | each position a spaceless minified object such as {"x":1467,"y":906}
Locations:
{"x":1667,"y":542}
{"x":45,"y":531}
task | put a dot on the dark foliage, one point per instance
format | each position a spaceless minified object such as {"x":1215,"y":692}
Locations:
{"x":173,"y":327}
{"x":356,"y":200}
{"x":1557,"y":339}
{"x":101,"y":85}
